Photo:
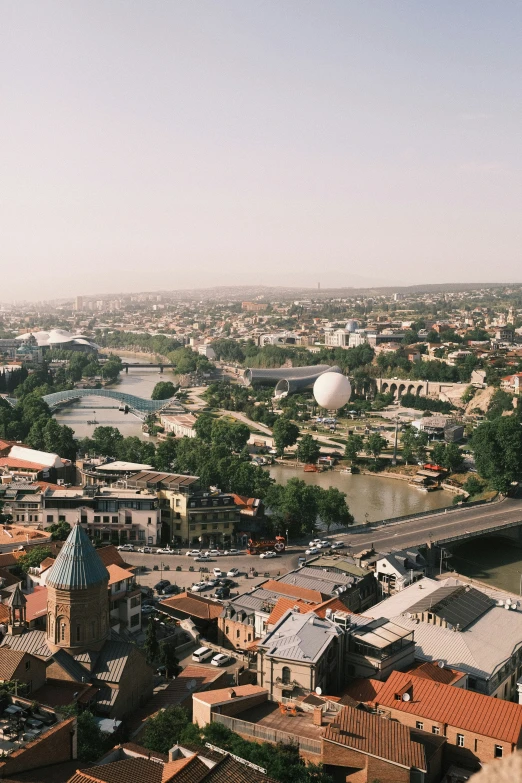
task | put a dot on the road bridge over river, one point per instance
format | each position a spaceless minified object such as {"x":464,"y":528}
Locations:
{"x":140,"y":406}
{"x":442,"y":528}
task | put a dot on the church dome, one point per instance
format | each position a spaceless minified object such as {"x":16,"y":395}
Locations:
{"x":78,"y":565}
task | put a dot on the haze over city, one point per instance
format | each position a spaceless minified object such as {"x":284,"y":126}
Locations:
{"x":176,"y":145}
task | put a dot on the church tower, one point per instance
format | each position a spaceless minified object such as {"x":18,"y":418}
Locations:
{"x":77,"y":597}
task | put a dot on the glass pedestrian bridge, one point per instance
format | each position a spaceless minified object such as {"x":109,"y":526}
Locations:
{"x":138,"y":405}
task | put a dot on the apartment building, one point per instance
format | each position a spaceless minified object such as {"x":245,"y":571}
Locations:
{"x":193,"y":517}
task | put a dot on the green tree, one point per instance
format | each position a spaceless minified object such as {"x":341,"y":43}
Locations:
{"x":165,"y":729}
{"x":203,"y":426}
{"x":497,"y":446}
{"x":452,"y":459}
{"x":107,"y":441}
{"x":308,"y":450}
{"x":92,"y":742}
{"x":32,"y":559}
{"x":169,"y":659}
{"x":375,"y":444}
{"x":295,"y":505}
{"x":437,"y":453}
{"x":151,"y":645}
{"x":285,"y":433}
{"x":473,"y":485}
{"x":332,"y":508}
{"x":163,"y":390}
{"x":165,"y":457}
{"x":354,"y":445}
{"x":59,"y":531}
{"x":233,"y":435}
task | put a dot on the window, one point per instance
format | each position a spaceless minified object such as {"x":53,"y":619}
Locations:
{"x":178,"y":526}
{"x":135,"y":620}
{"x":61,"y":518}
{"x":114,"y":520}
{"x":203,"y":527}
{"x":214,"y":527}
{"x":96,"y":520}
{"x":286,"y":675}
{"x":78,"y":633}
{"x":28,"y":666}
{"x":472,"y":683}
{"x":149,"y":521}
{"x":226,"y":525}
{"x":238,"y":634}
{"x":499,"y":750}
{"x":135,"y":601}
{"x":435,"y":730}
{"x":419,"y":725}
{"x":62,"y":632}
{"x":226,"y":629}
{"x":460,"y":740}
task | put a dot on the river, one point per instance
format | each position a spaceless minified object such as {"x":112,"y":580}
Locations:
{"x":376,"y":496}
{"x":495,"y":561}
{"x":105,"y":411}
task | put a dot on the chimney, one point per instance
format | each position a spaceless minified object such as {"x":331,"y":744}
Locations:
{"x":318,"y":716}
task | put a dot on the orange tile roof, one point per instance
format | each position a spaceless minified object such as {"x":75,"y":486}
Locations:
{"x":283,"y":588}
{"x":224,"y":694}
{"x":372,"y":734}
{"x":363,"y":689}
{"x":118,"y":574}
{"x":335,"y":604}
{"x":495,"y":718}
{"x":193,"y":605}
{"x":430,"y":671}
{"x":109,"y":555}
{"x":12,"y":462}
{"x":36,"y":605}
{"x":283,"y":605}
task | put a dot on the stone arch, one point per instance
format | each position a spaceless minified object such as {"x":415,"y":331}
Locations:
{"x":384,"y":387}
{"x":402,"y":389}
{"x":420,"y":390}
{"x":411,"y":389}
{"x":393,"y":390}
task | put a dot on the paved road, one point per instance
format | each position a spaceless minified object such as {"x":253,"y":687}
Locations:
{"x":438,"y":527}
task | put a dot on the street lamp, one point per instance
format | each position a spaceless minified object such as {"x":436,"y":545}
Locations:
{"x":287,"y":541}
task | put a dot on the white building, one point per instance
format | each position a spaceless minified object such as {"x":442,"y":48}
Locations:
{"x":181,"y":426}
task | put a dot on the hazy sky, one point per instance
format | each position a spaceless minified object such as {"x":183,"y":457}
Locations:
{"x":148,"y":144}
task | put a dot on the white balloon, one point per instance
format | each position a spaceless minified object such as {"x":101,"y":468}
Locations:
{"x":332,"y":390}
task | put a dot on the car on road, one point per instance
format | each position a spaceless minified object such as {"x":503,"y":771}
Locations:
{"x":166,"y":550}
{"x":323,"y":545}
{"x":159,"y":586}
{"x":314,"y":542}
{"x":126,"y":548}
{"x":268,"y":554}
{"x":222,"y":593}
{"x":171,"y":590}
{"x":231,"y":552}
{"x":312,"y":551}
{"x":202,"y":559}
{"x":213,"y":552}
{"x":147,"y":610}
{"x":147,"y":550}
{"x":218,"y":573}
{"x":337,"y":544}
{"x":233,"y":572}
{"x":193,"y":553}
{"x":220,"y":660}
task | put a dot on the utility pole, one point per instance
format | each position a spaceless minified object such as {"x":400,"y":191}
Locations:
{"x":394,"y":458}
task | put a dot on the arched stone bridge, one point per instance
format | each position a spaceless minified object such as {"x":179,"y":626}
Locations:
{"x":400,"y":386}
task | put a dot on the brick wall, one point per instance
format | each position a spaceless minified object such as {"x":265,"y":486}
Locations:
{"x":35,"y":674}
{"x":228,"y":631}
{"x":349,"y":765}
{"x":135,"y":686}
{"x":55,"y":746}
{"x":477,"y":748}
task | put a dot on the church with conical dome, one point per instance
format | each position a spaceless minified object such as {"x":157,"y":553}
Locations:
{"x":78,"y":644}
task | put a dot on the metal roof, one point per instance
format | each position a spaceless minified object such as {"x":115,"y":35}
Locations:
{"x":78,"y":565}
{"x":299,"y":637}
{"x":72,"y":667}
{"x":34,"y":642}
{"x":112,"y":660}
{"x":458,"y":606}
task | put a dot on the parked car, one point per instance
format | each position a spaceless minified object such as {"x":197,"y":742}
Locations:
{"x":171,"y":590}
{"x":231,"y":552}
{"x":312,"y":551}
{"x":166,"y":550}
{"x":218,"y":573}
{"x":147,"y":550}
{"x":193,"y":552}
{"x":198,"y":587}
{"x":222,"y":593}
{"x":226,"y":582}
{"x":233,"y":572}
{"x":337,"y":544}
{"x":146,"y":591}
{"x":147,"y":610}
{"x":159,"y":586}
{"x":314,"y":542}
{"x":213,"y":552}
{"x":126,"y":548}
{"x":220,"y":659}
{"x":268,"y":554}
{"x":202,"y":559}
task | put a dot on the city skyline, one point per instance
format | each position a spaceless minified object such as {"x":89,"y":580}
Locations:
{"x":206,"y":145}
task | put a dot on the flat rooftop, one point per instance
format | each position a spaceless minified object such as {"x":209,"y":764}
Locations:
{"x":269,"y":715}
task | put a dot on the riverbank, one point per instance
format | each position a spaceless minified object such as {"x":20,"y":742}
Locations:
{"x":494,"y":561}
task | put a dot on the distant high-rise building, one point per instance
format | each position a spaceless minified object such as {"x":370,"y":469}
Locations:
{"x":78,"y":303}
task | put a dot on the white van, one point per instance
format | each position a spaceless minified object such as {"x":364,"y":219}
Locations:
{"x":203,"y":654}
